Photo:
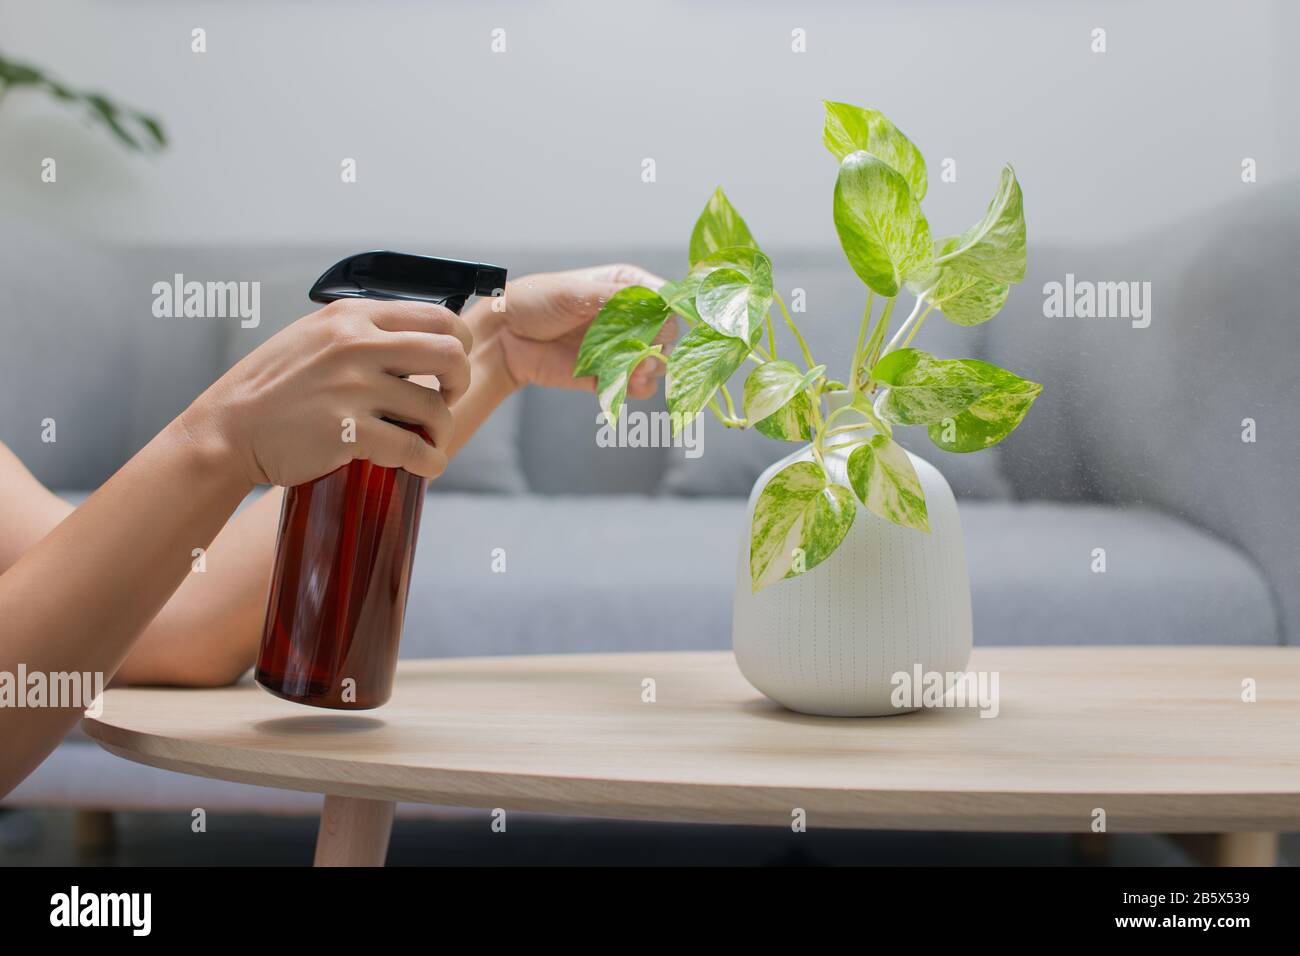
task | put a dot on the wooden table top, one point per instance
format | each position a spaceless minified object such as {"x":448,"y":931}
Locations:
{"x":1159,"y":738}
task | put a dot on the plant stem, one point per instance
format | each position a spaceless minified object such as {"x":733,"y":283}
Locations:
{"x":837,"y":413}
{"x":727,"y":421}
{"x":862,"y":334}
{"x":771,"y":336}
{"x":690,"y":322}
{"x":881,"y":427}
{"x":726,"y":397}
{"x":873,"y":344}
{"x":907,"y":323}
{"x":866,"y":411}
{"x":847,"y":428}
{"x":818,"y":454}
{"x":916,"y":328}
{"x":949,"y":255}
{"x":819,"y":426}
{"x":803,"y":346}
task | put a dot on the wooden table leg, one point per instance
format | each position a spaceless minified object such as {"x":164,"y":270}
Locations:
{"x":95,"y":834}
{"x":1245,"y":849}
{"x":354,"y":831}
{"x":1230,"y":849}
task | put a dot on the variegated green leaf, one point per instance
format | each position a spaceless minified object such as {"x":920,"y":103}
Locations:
{"x":799,"y":521}
{"x":988,"y":421}
{"x":791,"y":422}
{"x":964,"y":298}
{"x":771,"y":385}
{"x":635,"y":314}
{"x":884,"y":480}
{"x":881,"y":227}
{"x":852,"y":128}
{"x":700,"y":362}
{"x":723,"y":302}
{"x":924,"y":390}
{"x":721,"y":296}
{"x":719,"y":227}
{"x":611,"y":379}
{"x":732,"y":291}
{"x":995,"y":246}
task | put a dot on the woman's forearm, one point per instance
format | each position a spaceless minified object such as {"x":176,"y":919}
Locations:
{"x":78,"y":599}
{"x":490,"y":385}
{"x":208,"y":632}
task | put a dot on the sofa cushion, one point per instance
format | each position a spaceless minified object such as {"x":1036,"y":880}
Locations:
{"x":623,"y":573}
{"x":626,"y":573}
{"x":1165,"y":581}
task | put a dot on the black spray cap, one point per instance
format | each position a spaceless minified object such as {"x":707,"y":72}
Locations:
{"x":398,"y":275}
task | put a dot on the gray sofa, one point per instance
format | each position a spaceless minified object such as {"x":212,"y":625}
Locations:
{"x":1135,"y":447}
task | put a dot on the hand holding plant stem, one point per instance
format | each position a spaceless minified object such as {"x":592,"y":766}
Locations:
{"x":726,"y":298}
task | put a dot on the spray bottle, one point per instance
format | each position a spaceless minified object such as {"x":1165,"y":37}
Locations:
{"x":347,"y":540}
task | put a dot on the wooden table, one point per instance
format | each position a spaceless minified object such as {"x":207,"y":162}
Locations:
{"x":1158,"y":738}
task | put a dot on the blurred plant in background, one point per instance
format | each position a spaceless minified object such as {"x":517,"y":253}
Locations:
{"x":135,"y":130}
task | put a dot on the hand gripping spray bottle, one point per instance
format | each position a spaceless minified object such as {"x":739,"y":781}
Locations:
{"x":347,"y":539}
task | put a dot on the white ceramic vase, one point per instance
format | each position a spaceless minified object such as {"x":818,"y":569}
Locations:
{"x":830,"y":640}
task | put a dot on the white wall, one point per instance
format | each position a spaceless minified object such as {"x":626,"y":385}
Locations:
{"x":458,"y":147}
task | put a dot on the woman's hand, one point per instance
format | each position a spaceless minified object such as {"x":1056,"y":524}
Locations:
{"x":283,"y":411}
{"x":546,"y":316}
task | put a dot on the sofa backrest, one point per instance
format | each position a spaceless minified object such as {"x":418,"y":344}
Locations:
{"x":1195,"y":414}
{"x":1144,"y":416}
{"x":81,"y":349}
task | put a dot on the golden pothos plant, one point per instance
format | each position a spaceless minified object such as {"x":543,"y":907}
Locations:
{"x":726,"y":300}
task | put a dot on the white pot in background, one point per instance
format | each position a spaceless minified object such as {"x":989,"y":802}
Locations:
{"x":830,"y":640}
